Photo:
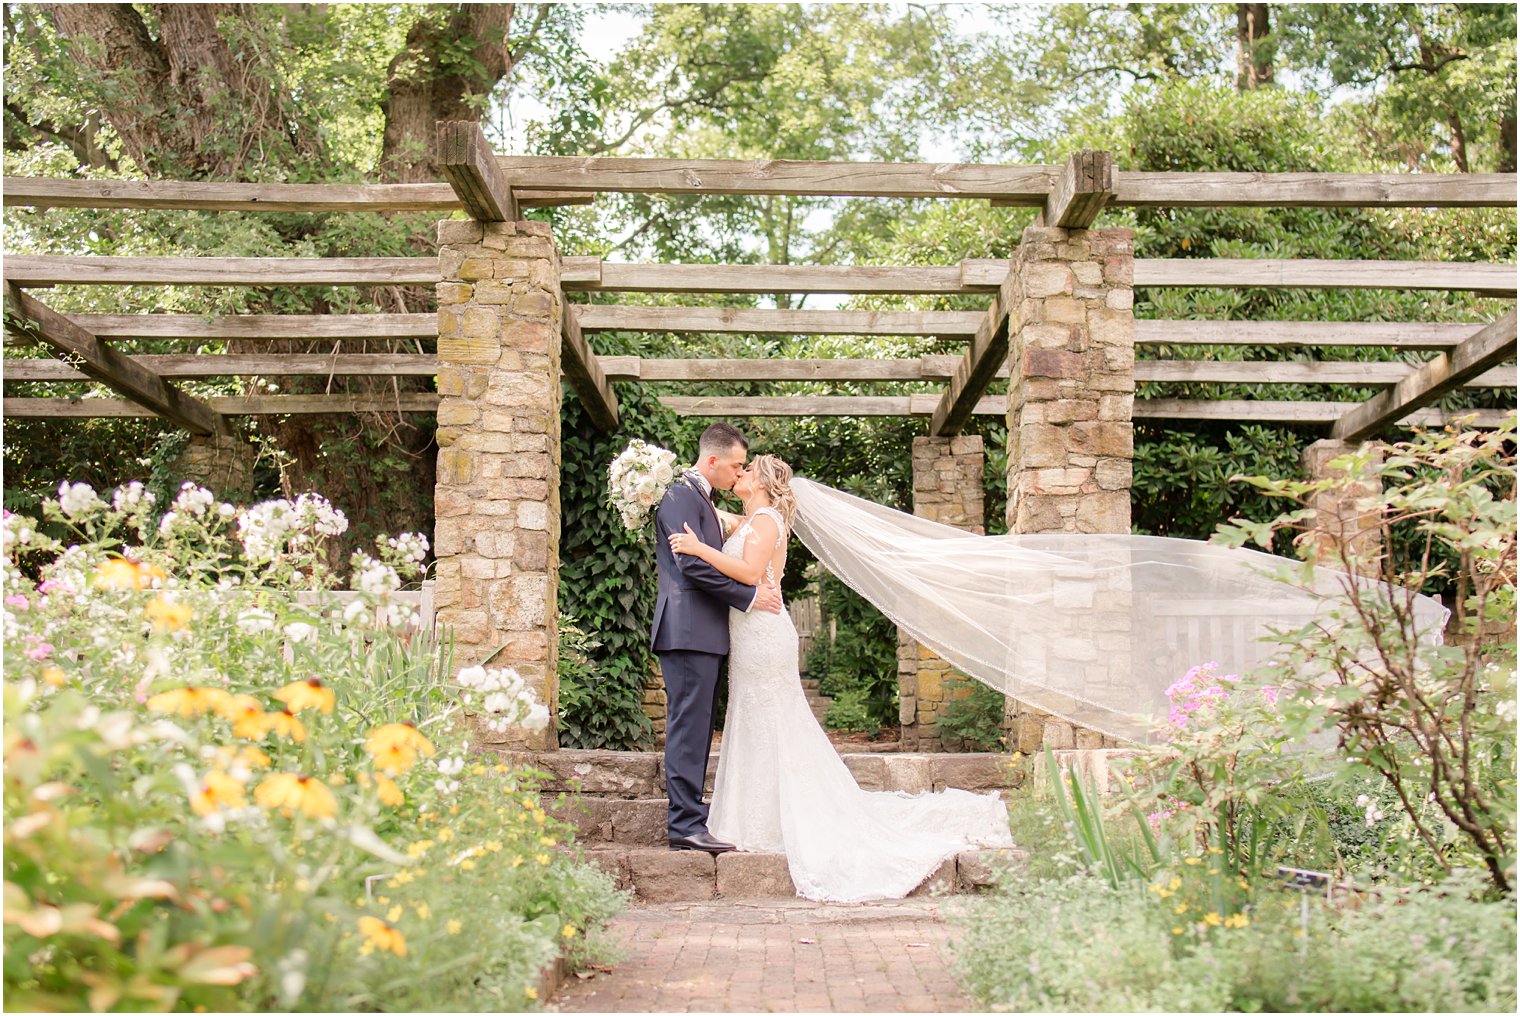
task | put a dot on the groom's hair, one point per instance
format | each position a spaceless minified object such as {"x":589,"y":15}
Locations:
{"x":719,"y":439}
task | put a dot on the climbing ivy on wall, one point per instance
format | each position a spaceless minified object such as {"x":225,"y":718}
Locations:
{"x":607,"y":577}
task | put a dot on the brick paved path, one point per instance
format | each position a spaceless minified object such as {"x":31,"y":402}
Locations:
{"x":776,"y":955}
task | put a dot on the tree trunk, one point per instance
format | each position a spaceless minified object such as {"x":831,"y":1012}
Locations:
{"x":1507,"y":143}
{"x":1458,"y":141}
{"x":1253,"y":48}
{"x":429,"y":82}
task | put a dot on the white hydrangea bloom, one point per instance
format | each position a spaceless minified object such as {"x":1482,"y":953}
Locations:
{"x":77,"y":499}
{"x":131,"y":498}
{"x":193,"y":500}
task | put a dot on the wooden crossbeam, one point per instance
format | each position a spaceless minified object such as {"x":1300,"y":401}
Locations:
{"x":580,"y":367}
{"x":1314,"y":190}
{"x":979,"y":365}
{"x":748,"y":320}
{"x":982,"y":275}
{"x":196,"y":365}
{"x":1489,"y":346}
{"x":465,"y":158}
{"x":198,"y":327}
{"x":1025,"y":185}
{"x":1484,"y":279}
{"x":1084,"y":185}
{"x":1394,"y":334}
{"x":933,"y":368}
{"x":25,"y":313}
{"x":1304,"y":413}
{"x":45,"y":192}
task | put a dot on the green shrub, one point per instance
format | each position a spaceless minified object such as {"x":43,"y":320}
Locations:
{"x":595,"y":711}
{"x":859,"y":664}
{"x":1082,"y":945}
{"x":850,"y":710}
{"x":973,"y":712}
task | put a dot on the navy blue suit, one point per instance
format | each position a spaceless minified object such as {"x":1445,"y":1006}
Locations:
{"x":690,"y":636}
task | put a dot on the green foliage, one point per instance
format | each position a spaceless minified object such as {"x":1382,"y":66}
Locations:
{"x":1080,"y":805}
{"x":595,"y":712}
{"x":607,"y":576}
{"x":1082,"y":945}
{"x":972,"y":712}
{"x":858,"y":667}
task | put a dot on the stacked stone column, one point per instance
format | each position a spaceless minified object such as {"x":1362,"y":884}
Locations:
{"x":947,"y":488}
{"x":222,"y":463}
{"x":497,"y":494}
{"x":1071,"y":389}
{"x":1347,"y":514}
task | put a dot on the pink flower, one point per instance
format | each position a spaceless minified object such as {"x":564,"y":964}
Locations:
{"x":18,"y":602}
{"x":1270,"y":693}
{"x":40,"y":652}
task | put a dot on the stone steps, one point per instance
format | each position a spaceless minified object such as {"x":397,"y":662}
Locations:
{"x":661,"y":875}
{"x":633,"y":775}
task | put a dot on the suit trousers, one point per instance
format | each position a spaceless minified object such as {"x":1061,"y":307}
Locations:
{"x":691,"y":686}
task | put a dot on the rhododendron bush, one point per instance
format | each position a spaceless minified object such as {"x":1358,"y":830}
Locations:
{"x":228,"y":786}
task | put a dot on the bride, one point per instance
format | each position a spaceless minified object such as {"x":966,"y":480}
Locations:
{"x":780,"y":785}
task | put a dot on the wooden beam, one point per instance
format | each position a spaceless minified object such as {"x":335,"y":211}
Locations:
{"x":760,"y":321}
{"x":465,"y":158}
{"x":46,"y":192}
{"x":708,"y":278}
{"x":193,"y":365}
{"x":1488,"y":347}
{"x":1316,"y":413}
{"x":64,"y":270}
{"x":979,"y":365}
{"x":1395,"y":334}
{"x":1483,"y":279}
{"x":1024,"y":185}
{"x":580,"y":367}
{"x":1315,"y":190}
{"x":255,"y":405}
{"x":31,"y":316}
{"x":1276,"y":372}
{"x":202,"y":328}
{"x":1084,"y":185}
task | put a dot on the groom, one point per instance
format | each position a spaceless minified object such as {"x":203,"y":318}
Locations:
{"x":690,"y":634}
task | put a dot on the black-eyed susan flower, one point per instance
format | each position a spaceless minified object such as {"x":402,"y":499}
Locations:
{"x":285,"y":723}
{"x":308,"y":694}
{"x":120,"y":573}
{"x":217,"y":790}
{"x":189,"y":701}
{"x":292,"y":792}
{"x":247,"y":715}
{"x":167,"y":615}
{"x":380,"y":935}
{"x":403,"y":735}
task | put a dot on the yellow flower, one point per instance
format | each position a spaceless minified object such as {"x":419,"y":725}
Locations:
{"x":1176,"y":931}
{"x":120,"y":573}
{"x":444,"y":835}
{"x":291,"y":792}
{"x":1191,"y":860}
{"x":397,"y":741}
{"x":542,"y":858}
{"x":1174,"y":884}
{"x":454,"y":927}
{"x":394,"y":757}
{"x":424,"y":911}
{"x":419,"y":848}
{"x":390,"y":794}
{"x":1236,"y":921}
{"x":379,"y":935}
{"x":478,"y":770}
{"x":167,"y":615}
{"x":308,"y":694}
{"x":568,"y":931}
{"x":1180,"y":908}
{"x":246,"y":754}
{"x":286,"y":724}
{"x":394,"y":914}
{"x":217,"y":790}
{"x":189,"y":701}
{"x":1212,"y":919}
{"x":531,"y":993}
{"x":400,"y":878}
{"x":55,"y":677}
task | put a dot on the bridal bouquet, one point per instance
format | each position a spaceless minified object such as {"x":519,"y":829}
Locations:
{"x":637,"y":479}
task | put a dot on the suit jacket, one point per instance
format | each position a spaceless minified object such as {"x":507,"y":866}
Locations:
{"x":692,"y":610}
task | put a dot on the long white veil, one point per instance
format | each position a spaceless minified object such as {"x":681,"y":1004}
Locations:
{"x":1091,"y":628}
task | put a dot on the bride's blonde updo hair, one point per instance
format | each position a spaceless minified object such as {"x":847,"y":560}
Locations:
{"x":775,"y":478}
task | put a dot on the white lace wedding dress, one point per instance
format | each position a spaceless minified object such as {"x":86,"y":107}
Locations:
{"x":781,"y":787}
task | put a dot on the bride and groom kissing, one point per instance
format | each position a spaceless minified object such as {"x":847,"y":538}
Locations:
{"x":780,"y":785}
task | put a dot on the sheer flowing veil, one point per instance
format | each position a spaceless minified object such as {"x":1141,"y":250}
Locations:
{"x":1092,"y":628}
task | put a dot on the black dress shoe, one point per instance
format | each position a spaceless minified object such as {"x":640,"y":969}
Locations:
{"x":701,"y":841}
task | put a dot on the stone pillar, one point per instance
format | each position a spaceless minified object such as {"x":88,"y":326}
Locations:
{"x":497,"y":494}
{"x":1071,"y":439}
{"x":947,"y":488}
{"x":222,"y":463}
{"x":1347,"y":513}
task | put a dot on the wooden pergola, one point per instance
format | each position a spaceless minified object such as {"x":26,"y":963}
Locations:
{"x":98,"y":347}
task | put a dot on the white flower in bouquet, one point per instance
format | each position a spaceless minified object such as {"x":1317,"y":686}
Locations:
{"x":637,"y":480}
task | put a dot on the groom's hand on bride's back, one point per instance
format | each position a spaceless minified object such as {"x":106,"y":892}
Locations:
{"x":768,"y":598}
